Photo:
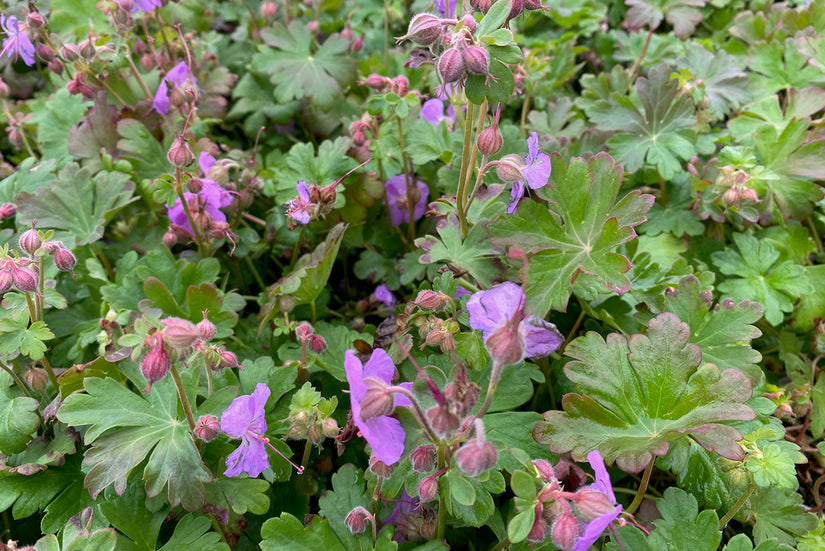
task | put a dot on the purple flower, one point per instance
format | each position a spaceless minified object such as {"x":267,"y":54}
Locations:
{"x":503,"y":305}
{"x":178,"y":77}
{"x":383,"y":293}
{"x":593,"y":529}
{"x":445,"y":9}
{"x":211,"y":198}
{"x":396,"y":188}
{"x":383,"y":433}
{"x":433,"y":112}
{"x":16,"y":43}
{"x":301,"y":208}
{"x":146,"y":5}
{"x":534,"y":171}
{"x":244,"y":419}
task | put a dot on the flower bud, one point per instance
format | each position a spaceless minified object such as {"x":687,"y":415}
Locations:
{"x":7,"y":210}
{"x":36,"y":20}
{"x":469,"y":22}
{"x":155,"y":364}
{"x":56,"y":66}
{"x":29,"y":241}
{"x":304,"y":331}
{"x":509,"y":168}
{"x":428,"y":489}
{"x":443,"y":421}
{"x":170,"y":239}
{"x":317,"y":344}
{"x":423,"y":458}
{"x":750,"y":196}
{"x":489,"y":140}
{"x":5,"y":281}
{"x":126,"y":5}
{"x":331,"y":428}
{"x":228,"y":359}
{"x":286,"y":303}
{"x":180,"y":154}
{"x":37,"y":378}
{"x":87,"y":48}
{"x":377,"y":82}
{"x":591,"y":503}
{"x":565,"y":531}
{"x":25,"y":278}
{"x":505,"y":345}
{"x":380,"y":468}
{"x":357,"y":44}
{"x":516,"y":7}
{"x":431,"y":300}
{"x":70,"y":52}
{"x":425,"y":29}
{"x":45,"y":52}
{"x":377,"y":400}
{"x":206,"y":329}
{"x":538,"y":532}
{"x":357,"y":520}
{"x":207,"y":428}
{"x":451,"y":66}
{"x":476,"y":59}
{"x":476,"y":456}
{"x":269,"y":10}
{"x":179,"y":333}
{"x":316,"y":434}
{"x":64,"y":259}
{"x":730,"y":197}
{"x":4,"y":91}
{"x":544,"y":469}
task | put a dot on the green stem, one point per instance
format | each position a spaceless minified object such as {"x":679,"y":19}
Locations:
{"x":32,"y":309}
{"x":817,"y":239}
{"x":640,"y":494}
{"x":179,"y":190}
{"x":209,"y":385}
{"x":736,"y":506}
{"x":295,"y":249}
{"x":525,"y":108}
{"x":442,"y":501}
{"x":418,"y":412}
{"x":104,"y":260}
{"x":495,"y":376}
{"x":255,"y":273}
{"x":465,"y":162}
{"x":45,"y":362}
{"x":133,"y":69}
{"x":18,"y":381}
{"x":408,"y":180}
{"x":386,"y":35}
{"x":307,"y":452}
{"x":184,"y":401}
{"x":640,"y":58}
{"x":38,"y":298}
{"x":465,"y":185}
{"x":503,"y":544}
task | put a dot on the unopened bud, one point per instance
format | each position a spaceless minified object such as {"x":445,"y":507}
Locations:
{"x":423,"y":458}
{"x":425,"y":29}
{"x":179,"y":333}
{"x":304,"y":330}
{"x":29,"y":241}
{"x":286,"y":303}
{"x":442,"y":420}
{"x":538,"y":532}
{"x":505,"y":345}
{"x":7,"y":210}
{"x":207,"y":428}
{"x":377,"y":400}
{"x":317,"y":344}
{"x":431,"y":300}
{"x":357,"y":520}
{"x":591,"y":503}
{"x":56,"y":66}
{"x":509,"y":168}
{"x":155,"y":364}
{"x":170,"y":239}
{"x":359,"y":138}
{"x":451,"y":66}
{"x":428,"y":489}
{"x":269,"y":10}
{"x":36,"y":20}
{"x":730,"y":197}
{"x":476,"y":59}
{"x":228,"y":359}
{"x":5,"y":281}
{"x":476,"y":456}
{"x":544,"y":469}
{"x":565,"y":531}
{"x":206,"y":329}
{"x":87,"y":49}
{"x":516,"y":7}
{"x":180,"y":154}
{"x":70,"y":52}
{"x":750,"y":196}
{"x":316,"y":434}
{"x":25,"y":278}
{"x":469,"y":22}
{"x":64,"y":260}
{"x":45,"y":52}
{"x":346,"y":33}
{"x":331,"y":428}
{"x":195,"y":185}
{"x":357,"y":44}
{"x":4,"y":90}
{"x":380,"y":468}
{"x":126,"y":5}
{"x":377,"y":82}
{"x":490,"y":140}
{"x":36,"y":378}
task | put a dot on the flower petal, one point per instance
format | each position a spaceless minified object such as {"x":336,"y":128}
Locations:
{"x":250,"y":458}
{"x":491,"y":308}
{"x":541,"y":338}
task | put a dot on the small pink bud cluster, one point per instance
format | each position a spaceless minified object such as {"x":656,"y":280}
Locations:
{"x":312,"y":424}
{"x":64,"y":259}
{"x":477,"y":455}
{"x":736,"y":192}
{"x":310,"y":339}
{"x":435,"y":331}
{"x":22,"y":273}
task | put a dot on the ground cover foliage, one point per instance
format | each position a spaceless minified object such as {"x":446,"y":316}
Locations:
{"x":369,"y":274}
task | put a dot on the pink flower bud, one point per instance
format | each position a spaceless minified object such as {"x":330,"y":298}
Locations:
{"x":30,"y":241}
{"x":423,"y":458}
{"x":357,"y":520}
{"x":451,"y":66}
{"x":155,"y":364}
{"x":269,"y":10}
{"x":170,"y":239}
{"x":428,"y":489}
{"x":538,"y":532}
{"x":70,"y":52}
{"x":180,"y":154}
{"x":4,"y":93}
{"x":377,"y":401}
{"x":377,"y":82}
{"x":380,"y":468}
{"x":565,"y":531}
{"x":425,"y":29}
{"x":469,"y":22}
{"x":750,"y":196}
{"x":7,"y":210}
{"x":36,"y":20}
{"x":206,"y":329}
{"x":207,"y":428}
{"x":431,"y":300}
{"x":5,"y":281}
{"x":331,"y":428}
{"x":303,"y":331}
{"x":544,"y":469}
{"x":506,"y":345}
{"x":591,"y":503}
{"x":195,"y":185}
{"x":516,"y":8}
{"x":179,"y":333}
{"x":317,"y":344}
{"x":52,"y":247}
{"x":228,"y":359}
{"x":313,"y":26}
{"x":357,"y":44}
{"x":489,"y":140}
{"x":476,"y":456}
{"x":730,"y":197}
{"x":442,"y":420}
{"x":64,"y":259}
{"x":56,"y":66}
{"x":45,"y":52}
{"x":509,"y":168}
{"x":126,"y":5}
{"x":476,"y":59}
{"x":25,"y":278}
{"x":37,"y":378}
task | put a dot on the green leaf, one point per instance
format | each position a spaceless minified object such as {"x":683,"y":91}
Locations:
{"x":682,"y":525}
{"x":512,"y":431}
{"x":494,"y":18}
{"x":520,"y":525}
{"x":18,"y":337}
{"x":55,"y":120}
{"x":719,"y":77}
{"x":125,"y":429}
{"x":659,"y":134}
{"x":478,"y":513}
{"x":77,"y":203}
{"x":298,"y":69}
{"x":697,"y":471}
{"x":774,"y":466}
{"x":579,"y":234}
{"x":308,"y":277}
{"x":27,"y":176}
{"x":723,"y":332}
{"x":75,"y":16}
{"x":348,"y":492}
{"x":638,"y":394}
{"x":473,"y":253}
{"x":781,"y":67}
{"x":242,"y":495}
{"x":523,"y":484}
{"x":759,"y":277}
{"x":779,"y":514}
{"x":147,"y":154}
{"x":192,"y":532}
{"x":18,"y":418}
{"x":302,"y":163}
{"x":461,"y":490}
{"x":683,"y":15}
{"x":286,"y":533}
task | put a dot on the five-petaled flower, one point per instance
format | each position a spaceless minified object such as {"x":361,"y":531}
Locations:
{"x":244,"y":419}
{"x":209,"y":200}
{"x":593,"y":529}
{"x":398,"y":200}
{"x":499,"y":312}
{"x":301,"y":208}
{"x":178,"y":77}
{"x":383,"y":433}
{"x":17,"y":43}
{"x":533,"y":171}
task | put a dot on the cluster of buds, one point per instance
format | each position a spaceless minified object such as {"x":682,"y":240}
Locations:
{"x":312,"y":421}
{"x":735,"y":185}
{"x":310,"y":339}
{"x":356,"y":42}
{"x":453,"y":406}
{"x":183,"y":335}
{"x":399,"y":85}
{"x":313,"y":202}
{"x":79,"y":86}
{"x":21,"y":273}
{"x":359,"y":129}
{"x":435,"y":331}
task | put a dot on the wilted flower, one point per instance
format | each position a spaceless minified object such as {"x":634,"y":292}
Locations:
{"x":533,"y":171}
{"x":383,"y":433}
{"x":396,"y":188}
{"x":502,"y":307}
{"x":177,"y":77}
{"x":16,"y":43}
{"x":301,"y":208}
{"x":383,"y":293}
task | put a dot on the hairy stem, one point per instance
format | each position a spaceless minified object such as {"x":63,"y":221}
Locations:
{"x":640,"y":494}
{"x":736,"y":506}
{"x":184,"y":401}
